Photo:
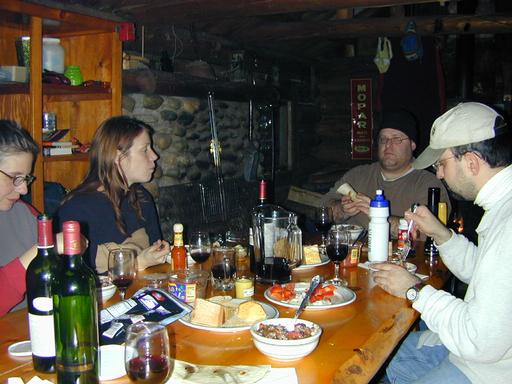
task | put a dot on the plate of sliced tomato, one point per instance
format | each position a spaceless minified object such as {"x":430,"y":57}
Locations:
{"x":325,"y":296}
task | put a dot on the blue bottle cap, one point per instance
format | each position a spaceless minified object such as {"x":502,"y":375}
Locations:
{"x":379,"y":201}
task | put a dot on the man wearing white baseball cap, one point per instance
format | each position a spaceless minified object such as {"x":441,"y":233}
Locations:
{"x":468,"y":340}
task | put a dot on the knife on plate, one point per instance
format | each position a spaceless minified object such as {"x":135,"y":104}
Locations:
{"x":315,"y":281}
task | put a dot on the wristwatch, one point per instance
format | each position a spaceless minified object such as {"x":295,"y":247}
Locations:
{"x":412,"y":293}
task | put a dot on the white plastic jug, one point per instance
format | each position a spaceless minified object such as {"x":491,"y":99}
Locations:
{"x":378,"y":229}
{"x":53,"y":55}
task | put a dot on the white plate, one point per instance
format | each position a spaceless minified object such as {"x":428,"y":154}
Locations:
{"x":21,"y":348}
{"x":342,"y":296}
{"x":271,"y":312}
{"x":324,"y":260}
{"x":111,"y":362}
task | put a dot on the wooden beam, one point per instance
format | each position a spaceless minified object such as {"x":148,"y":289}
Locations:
{"x":172,"y":11}
{"x":450,"y":24}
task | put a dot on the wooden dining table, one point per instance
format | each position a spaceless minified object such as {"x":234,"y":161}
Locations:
{"x":357,"y":339}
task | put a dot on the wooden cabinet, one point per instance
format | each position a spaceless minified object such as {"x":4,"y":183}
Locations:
{"x":90,"y":42}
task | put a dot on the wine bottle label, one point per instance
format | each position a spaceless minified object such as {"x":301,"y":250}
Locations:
{"x":43,"y":304}
{"x":41,"y":335}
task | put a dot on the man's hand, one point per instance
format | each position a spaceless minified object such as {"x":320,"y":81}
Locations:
{"x":430,"y":225}
{"x":394,"y":278}
{"x":352,"y":207}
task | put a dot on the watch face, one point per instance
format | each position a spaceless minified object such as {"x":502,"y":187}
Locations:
{"x":411,"y":294}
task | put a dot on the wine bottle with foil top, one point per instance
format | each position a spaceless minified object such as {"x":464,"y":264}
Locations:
{"x":434,"y":195}
{"x":75,"y":314}
{"x":39,"y":298}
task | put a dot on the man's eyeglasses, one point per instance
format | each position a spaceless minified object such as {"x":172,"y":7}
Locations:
{"x":19,"y":179}
{"x":393,"y":140}
{"x":441,"y":163}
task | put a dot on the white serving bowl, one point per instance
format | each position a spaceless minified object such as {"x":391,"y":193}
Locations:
{"x":286,"y":350}
{"x":107,"y":289}
{"x":353,"y":229}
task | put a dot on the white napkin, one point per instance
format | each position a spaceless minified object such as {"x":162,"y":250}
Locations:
{"x":366,"y":265}
{"x":275,"y":375}
{"x":34,"y":380}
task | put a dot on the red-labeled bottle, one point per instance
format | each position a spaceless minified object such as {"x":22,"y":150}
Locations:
{"x":179,"y":252}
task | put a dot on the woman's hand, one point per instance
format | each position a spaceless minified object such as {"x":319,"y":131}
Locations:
{"x":153,"y":255}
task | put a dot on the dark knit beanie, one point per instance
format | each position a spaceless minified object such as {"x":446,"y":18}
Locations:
{"x":401,"y":120}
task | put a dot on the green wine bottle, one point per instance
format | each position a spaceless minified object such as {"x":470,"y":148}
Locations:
{"x":39,"y":298}
{"x":76,"y":314}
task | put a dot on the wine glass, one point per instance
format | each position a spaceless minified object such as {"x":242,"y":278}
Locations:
{"x":338,"y":244}
{"x":121,"y":269}
{"x":147,"y":356}
{"x":200,"y":247}
{"x":323,"y":221}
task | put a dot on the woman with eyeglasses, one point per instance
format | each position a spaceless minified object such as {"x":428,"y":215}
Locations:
{"x":18,"y":223}
{"x":112,"y":206}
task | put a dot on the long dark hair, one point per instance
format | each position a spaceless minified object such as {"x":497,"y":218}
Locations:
{"x":113,"y":135}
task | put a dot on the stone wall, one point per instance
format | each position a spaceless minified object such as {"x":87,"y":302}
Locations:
{"x":182,"y":141}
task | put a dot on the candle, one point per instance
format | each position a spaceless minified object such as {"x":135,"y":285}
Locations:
{"x":244,"y":288}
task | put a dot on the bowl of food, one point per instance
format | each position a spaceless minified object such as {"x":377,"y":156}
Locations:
{"x":107,"y":288}
{"x":353,"y":229}
{"x":286,"y":339}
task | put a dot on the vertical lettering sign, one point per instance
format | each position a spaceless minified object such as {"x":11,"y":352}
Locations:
{"x":361,"y":118}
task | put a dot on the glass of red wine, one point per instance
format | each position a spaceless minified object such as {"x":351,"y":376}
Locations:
{"x":338,"y":244}
{"x":147,"y":353}
{"x":200,"y":247}
{"x":323,"y":222}
{"x":121,"y":268}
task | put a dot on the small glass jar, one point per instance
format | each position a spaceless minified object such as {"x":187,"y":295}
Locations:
{"x":244,"y":287}
{"x":74,"y":74}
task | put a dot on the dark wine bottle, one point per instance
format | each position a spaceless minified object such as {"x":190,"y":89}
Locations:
{"x":75,"y":313}
{"x":434,"y":195}
{"x":39,"y":298}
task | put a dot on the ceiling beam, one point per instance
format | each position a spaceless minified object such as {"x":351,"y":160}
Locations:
{"x":379,"y":26}
{"x":181,"y":11}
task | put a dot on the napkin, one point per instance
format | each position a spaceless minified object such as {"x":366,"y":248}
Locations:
{"x":187,"y":373}
{"x":34,"y":380}
{"x":366,"y":265}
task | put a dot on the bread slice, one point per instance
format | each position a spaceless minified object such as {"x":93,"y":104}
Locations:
{"x":346,"y":189}
{"x":207,"y":313}
{"x":312,"y":254}
{"x":251,"y":312}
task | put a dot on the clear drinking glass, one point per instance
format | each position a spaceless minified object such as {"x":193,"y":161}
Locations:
{"x":121,"y":269}
{"x":223,"y":268}
{"x":200,"y":247}
{"x":147,"y":353}
{"x":338,"y":244}
{"x":323,"y":221}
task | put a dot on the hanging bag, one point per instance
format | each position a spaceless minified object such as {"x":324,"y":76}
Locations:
{"x":383,"y":55}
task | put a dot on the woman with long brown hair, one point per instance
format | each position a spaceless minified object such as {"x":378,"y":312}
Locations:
{"x":113,"y":208}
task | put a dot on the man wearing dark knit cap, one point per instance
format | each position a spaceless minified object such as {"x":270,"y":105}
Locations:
{"x":393,"y":173}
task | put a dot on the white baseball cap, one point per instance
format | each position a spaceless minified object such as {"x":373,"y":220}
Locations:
{"x":464,"y":124}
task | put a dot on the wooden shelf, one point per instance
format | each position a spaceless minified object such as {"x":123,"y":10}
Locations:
{"x":60,"y":92}
{"x":149,"y":81}
{"x":73,"y":157}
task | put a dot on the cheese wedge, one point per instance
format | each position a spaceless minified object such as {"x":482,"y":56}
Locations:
{"x":251,"y":312}
{"x":207,"y":313}
{"x":346,"y":190}
{"x":312,"y":254}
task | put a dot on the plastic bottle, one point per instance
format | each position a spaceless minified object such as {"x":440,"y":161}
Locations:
{"x":378,"y":230}
{"x":403,"y":234}
{"x":179,"y":252}
{"x":53,"y":55}
{"x":39,"y":298}
{"x":75,"y":310}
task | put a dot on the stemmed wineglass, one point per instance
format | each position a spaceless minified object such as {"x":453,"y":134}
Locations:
{"x":323,"y":221}
{"x":338,"y":244}
{"x":200,"y":247}
{"x":147,"y":353}
{"x":121,"y":269}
